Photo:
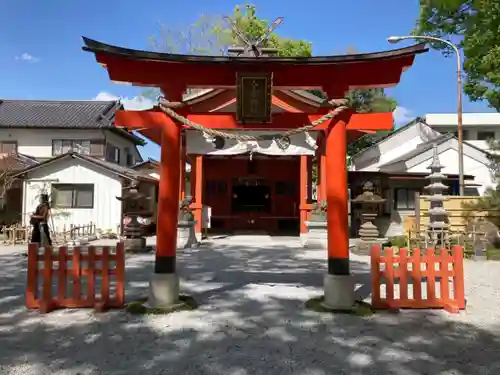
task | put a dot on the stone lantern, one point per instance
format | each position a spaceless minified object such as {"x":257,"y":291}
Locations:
{"x":186,"y":236}
{"x":369,"y":202}
{"x":132,"y":229}
{"x":317,"y":227}
{"x":438,"y":229}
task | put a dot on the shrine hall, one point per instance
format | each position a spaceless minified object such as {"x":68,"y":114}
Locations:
{"x":250,"y":132}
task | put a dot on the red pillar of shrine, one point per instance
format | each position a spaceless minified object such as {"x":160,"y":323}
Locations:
{"x":164,"y":286}
{"x":197,"y":205}
{"x":182,"y":187}
{"x":303,"y":194}
{"x":339,"y":285}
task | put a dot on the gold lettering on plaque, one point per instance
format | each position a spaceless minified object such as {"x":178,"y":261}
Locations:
{"x":254,"y":91}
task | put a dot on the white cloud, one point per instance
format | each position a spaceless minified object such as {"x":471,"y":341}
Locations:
{"x":27,"y":57}
{"x":135,"y":103}
{"x":402,"y":116}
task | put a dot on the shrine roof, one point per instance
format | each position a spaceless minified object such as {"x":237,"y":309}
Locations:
{"x":99,"y":47}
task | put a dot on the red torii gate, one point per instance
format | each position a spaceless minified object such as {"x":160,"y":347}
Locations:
{"x":173,"y":74}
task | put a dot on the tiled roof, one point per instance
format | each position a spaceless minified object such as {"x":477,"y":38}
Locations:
{"x":57,"y":114}
{"x":16,"y":162}
{"x":118,"y":169}
{"x":62,"y":114}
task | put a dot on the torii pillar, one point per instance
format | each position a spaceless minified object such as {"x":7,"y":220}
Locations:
{"x":339,"y":283}
{"x":164,"y":284}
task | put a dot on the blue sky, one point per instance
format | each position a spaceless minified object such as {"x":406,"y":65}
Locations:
{"x":41,"y":56}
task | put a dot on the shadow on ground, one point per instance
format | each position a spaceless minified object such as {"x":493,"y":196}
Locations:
{"x":251,"y":321}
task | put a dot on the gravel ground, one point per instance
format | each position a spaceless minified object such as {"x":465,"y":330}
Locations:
{"x":251,"y":321}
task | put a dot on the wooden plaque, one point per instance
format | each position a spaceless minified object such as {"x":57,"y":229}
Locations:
{"x":253,"y":101}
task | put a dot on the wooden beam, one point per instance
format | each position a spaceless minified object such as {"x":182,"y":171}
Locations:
{"x":163,"y":74}
{"x":154,"y":119}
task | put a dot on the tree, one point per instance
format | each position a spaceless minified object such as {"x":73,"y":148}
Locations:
{"x":367,"y":101}
{"x":473,"y":25}
{"x":6,"y":179}
{"x":490,"y":201}
{"x":211,"y":36}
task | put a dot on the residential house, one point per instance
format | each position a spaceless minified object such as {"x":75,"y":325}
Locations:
{"x":79,"y":157}
{"x":408,"y":150}
{"x":478,"y":128}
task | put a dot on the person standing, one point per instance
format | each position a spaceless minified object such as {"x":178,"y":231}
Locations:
{"x":39,"y":220}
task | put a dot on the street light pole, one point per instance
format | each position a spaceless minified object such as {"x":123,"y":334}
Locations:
{"x":396,"y":39}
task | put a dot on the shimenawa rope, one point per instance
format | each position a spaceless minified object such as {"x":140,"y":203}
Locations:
{"x":338,"y":105}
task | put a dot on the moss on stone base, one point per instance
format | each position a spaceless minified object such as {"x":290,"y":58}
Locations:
{"x":139,"y":307}
{"x":359,"y":308}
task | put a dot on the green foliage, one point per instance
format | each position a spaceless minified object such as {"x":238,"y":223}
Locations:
{"x":210,"y":35}
{"x":398,"y":242}
{"x":368,"y":101}
{"x":252,"y":27}
{"x":474,"y":26}
{"x":371,"y":101}
{"x":490,"y":201}
{"x":360,"y":308}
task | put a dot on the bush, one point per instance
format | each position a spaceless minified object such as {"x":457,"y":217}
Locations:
{"x":398,"y":241}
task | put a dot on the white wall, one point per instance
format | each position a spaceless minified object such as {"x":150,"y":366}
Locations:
{"x":449,"y":160}
{"x":472,"y":134}
{"x":38,"y":142}
{"x":106,"y":213}
{"x":122,"y":143}
{"x":472,"y":124}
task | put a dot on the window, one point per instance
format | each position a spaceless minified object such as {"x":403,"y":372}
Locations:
{"x":129,"y":157}
{"x":404,"y":199}
{"x":485,"y":135}
{"x":112,"y":153}
{"x":82,"y":146}
{"x":73,"y":195}
{"x":465,"y":135}
{"x":8,"y":147}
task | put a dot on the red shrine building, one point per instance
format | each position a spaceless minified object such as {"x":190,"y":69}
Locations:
{"x":261,"y":184}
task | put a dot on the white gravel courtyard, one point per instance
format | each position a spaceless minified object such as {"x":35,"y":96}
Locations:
{"x":251,"y":320}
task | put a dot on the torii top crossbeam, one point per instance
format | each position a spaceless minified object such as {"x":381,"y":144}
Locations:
{"x":164,"y":70}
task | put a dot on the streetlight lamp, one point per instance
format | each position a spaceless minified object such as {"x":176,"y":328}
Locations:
{"x":396,"y":39}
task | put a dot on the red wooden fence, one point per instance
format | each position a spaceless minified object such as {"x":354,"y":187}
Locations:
{"x":405,"y":270}
{"x":87,"y":267}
